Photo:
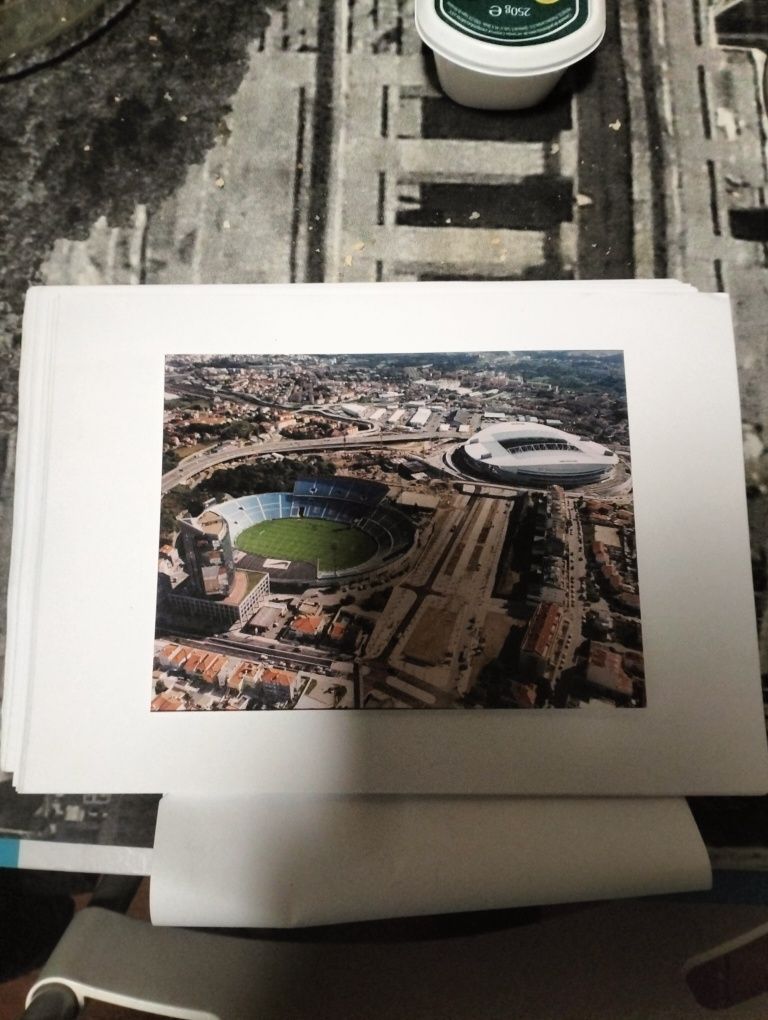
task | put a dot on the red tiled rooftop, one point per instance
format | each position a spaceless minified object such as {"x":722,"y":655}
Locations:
{"x":277,"y":676}
{"x":162,"y":703}
{"x":308,"y":624}
{"x":541,"y":628}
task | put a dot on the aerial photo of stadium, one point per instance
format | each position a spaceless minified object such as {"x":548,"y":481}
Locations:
{"x":397,"y":531}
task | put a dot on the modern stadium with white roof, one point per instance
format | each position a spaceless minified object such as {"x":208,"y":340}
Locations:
{"x":526,"y":453}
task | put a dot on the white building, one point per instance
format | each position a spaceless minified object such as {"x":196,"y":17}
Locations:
{"x":527,"y":453}
{"x":420,"y":418}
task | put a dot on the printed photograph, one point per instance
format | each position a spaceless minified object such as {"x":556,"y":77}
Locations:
{"x":648,"y":161}
{"x":397,"y":531}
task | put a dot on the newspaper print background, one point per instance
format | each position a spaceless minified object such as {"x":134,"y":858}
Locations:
{"x":308,"y":141}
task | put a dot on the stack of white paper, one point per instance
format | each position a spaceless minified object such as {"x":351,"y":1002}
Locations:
{"x":517,"y":507}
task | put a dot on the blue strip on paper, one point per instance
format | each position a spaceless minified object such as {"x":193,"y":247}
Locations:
{"x":9,"y":852}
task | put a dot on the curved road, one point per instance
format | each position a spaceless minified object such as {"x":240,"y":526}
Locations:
{"x":197,"y":463}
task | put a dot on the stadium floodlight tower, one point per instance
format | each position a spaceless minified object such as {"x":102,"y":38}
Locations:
{"x":527,"y":453}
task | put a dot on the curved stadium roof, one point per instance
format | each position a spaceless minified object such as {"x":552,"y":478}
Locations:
{"x":533,"y":454}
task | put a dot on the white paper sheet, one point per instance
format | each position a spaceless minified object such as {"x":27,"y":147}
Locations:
{"x":104,"y":859}
{"x":28,"y":500}
{"x":41,"y":329}
{"x":82,"y":634}
{"x":285,"y":862}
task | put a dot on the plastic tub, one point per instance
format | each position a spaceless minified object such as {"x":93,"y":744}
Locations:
{"x":507,"y":56}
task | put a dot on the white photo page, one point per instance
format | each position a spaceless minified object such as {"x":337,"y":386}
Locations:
{"x":466,"y":538}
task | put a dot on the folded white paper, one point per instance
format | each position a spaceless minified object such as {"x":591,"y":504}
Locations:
{"x":289,"y":861}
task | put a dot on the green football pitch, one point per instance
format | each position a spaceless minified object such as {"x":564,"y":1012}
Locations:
{"x":329,"y":544}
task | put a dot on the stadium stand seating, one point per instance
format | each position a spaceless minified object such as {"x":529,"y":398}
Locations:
{"x":352,"y":501}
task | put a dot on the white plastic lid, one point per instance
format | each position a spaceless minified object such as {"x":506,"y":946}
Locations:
{"x":518,"y":39}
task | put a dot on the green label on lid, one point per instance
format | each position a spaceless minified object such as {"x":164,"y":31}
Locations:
{"x":525,"y":23}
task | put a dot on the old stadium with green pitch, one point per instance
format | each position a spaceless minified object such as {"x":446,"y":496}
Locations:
{"x":330,"y":544}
